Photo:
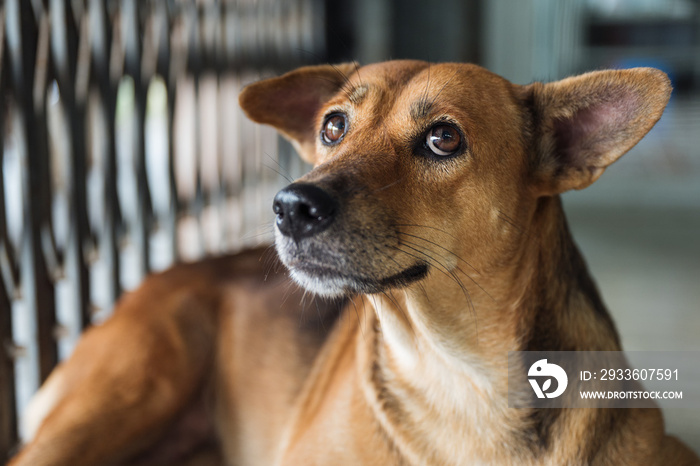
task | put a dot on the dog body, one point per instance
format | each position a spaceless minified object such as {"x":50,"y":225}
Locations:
{"x":432,"y":232}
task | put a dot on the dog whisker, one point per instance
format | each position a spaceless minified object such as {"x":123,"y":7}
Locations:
{"x":345,"y":78}
{"x":287,"y":292}
{"x":268,"y":259}
{"x":443,"y":88}
{"x":503,"y":216}
{"x":447,"y":271}
{"x":357,"y":70}
{"x":423,"y":105}
{"x":449,"y":274}
{"x":388,"y":186}
{"x":443,"y":248}
{"x":359,"y":321}
{"x":258,"y":232}
{"x":338,"y":38}
{"x":439,"y":266}
{"x":424,"y":226}
{"x":424,"y":97}
{"x":376,"y":249}
{"x":396,"y":304}
{"x":471,"y":306}
{"x":286,"y":175}
{"x":364,"y":310}
{"x":261,"y":239}
{"x":457,"y":267}
{"x":320,"y":319}
{"x":425,"y":292}
{"x":302,"y":305}
{"x":302,"y":308}
{"x":393,"y":301}
{"x":342,"y":75}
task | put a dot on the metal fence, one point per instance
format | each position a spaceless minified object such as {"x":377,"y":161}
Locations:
{"x":123,"y":150}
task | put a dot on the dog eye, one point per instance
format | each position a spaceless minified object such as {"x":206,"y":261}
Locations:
{"x":334,"y":129}
{"x":443,"y":140}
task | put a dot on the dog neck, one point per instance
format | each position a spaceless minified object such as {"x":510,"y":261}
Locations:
{"x":444,"y":344}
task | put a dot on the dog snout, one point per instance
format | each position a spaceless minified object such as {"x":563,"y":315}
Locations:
{"x":303,"y":210}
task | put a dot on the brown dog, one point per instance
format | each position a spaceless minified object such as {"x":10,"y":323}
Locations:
{"x":432,"y":219}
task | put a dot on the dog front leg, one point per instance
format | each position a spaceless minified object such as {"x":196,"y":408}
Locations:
{"x":127,"y":381}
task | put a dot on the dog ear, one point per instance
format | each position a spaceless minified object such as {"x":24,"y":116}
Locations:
{"x":290,"y":102}
{"x":585,"y":123}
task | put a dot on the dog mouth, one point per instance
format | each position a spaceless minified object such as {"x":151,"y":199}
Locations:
{"x":330,"y":281}
{"x":406,"y":277}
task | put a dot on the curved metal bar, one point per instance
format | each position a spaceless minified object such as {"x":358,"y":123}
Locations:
{"x":131,"y":31}
{"x":22,"y":33}
{"x":8,"y":287}
{"x":67,"y":47}
{"x":9,"y":266}
{"x":101,"y":33}
{"x":53,"y":256}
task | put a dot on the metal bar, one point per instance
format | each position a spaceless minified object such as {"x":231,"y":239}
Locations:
{"x":170,"y":67}
{"x":102,"y":45}
{"x":65,"y":60}
{"x":144,"y":212}
{"x":8,"y":410}
{"x":37,"y":284}
{"x":8,"y":414}
{"x":194,"y":62}
{"x":9,"y":267}
{"x":82,"y":231}
{"x":53,"y":256}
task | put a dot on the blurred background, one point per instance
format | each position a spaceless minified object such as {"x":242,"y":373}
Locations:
{"x":123,"y":149}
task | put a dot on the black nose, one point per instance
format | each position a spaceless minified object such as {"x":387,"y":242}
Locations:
{"x":303,"y":210}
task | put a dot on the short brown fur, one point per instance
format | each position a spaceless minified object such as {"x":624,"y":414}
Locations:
{"x":448,"y":262}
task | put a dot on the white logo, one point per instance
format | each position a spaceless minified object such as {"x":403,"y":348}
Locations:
{"x":542,"y":369}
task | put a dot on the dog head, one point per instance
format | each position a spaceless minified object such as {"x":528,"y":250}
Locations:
{"x":422,"y":170}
